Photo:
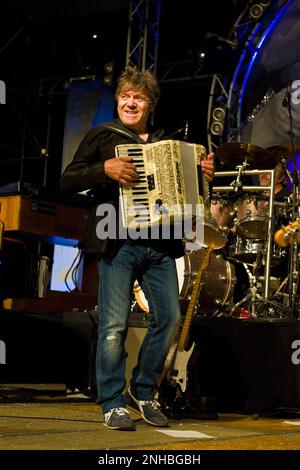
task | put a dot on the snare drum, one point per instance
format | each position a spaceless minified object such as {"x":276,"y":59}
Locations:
{"x":247,"y":251}
{"x":251,"y":217}
{"x":218,"y":282}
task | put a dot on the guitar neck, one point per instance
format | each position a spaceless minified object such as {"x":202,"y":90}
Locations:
{"x":192,"y":304}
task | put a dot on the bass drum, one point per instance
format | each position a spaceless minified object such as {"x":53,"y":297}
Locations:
{"x":218,"y":282}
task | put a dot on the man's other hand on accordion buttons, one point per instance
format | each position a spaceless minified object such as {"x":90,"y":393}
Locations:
{"x":208,"y":167}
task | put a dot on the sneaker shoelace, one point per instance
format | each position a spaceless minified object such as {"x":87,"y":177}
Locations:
{"x":152,"y":403}
{"x":118,"y":411}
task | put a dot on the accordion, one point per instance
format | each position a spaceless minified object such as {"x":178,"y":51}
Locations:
{"x":169,"y":184}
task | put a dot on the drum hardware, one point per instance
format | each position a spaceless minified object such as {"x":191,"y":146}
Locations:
{"x":253,"y":222}
{"x":211,"y":232}
{"x":274,"y":284}
{"x":237,"y":183}
{"x":267,"y":308}
{"x":280,"y":295}
{"x":268,"y":218}
{"x":256,"y":305}
{"x":253,"y":293}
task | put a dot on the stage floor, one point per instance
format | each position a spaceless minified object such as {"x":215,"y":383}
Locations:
{"x":52,"y":421}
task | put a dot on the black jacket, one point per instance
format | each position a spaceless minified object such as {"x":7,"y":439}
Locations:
{"x":86,"y":172}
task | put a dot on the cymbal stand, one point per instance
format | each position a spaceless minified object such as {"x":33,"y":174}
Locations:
{"x":253,"y":293}
{"x":280,"y":294}
{"x":237,"y":183}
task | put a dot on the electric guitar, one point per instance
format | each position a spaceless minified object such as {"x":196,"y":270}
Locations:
{"x":178,"y":371}
{"x":288,"y":234}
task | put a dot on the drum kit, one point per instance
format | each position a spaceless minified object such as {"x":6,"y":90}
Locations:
{"x":248,"y":274}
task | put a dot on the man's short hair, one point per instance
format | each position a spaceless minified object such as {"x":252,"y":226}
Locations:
{"x":144,"y":80}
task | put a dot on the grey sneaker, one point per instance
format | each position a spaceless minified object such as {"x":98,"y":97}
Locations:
{"x":147,"y":409}
{"x":118,"y":418}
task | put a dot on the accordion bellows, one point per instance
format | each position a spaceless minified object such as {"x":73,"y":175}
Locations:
{"x":169,"y":185}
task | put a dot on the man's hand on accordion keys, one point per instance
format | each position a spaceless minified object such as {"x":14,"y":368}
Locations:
{"x":208,"y":167}
{"x":121,"y":170}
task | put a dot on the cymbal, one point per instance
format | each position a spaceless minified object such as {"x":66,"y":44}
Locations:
{"x":236,"y":153}
{"x":283,"y":151}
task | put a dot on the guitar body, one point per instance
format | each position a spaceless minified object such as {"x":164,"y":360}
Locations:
{"x":178,"y":372}
{"x":194,"y":402}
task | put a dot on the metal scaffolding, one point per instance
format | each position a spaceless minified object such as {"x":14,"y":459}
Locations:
{"x":224,"y":120}
{"x":143,"y":34}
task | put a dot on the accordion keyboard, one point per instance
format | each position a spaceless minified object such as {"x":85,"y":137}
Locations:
{"x":168,"y":181}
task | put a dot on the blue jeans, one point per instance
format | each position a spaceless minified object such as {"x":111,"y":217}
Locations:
{"x":157,"y":275}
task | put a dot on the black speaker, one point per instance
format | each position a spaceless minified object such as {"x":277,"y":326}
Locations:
{"x":34,"y":348}
{"x":80,"y":342}
{"x":18,"y":270}
{"x":249,"y":364}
